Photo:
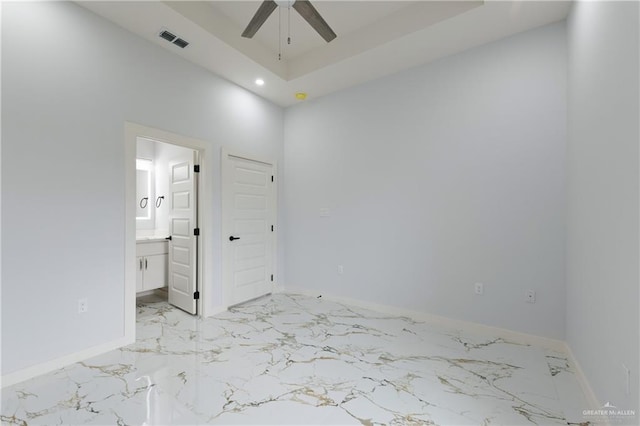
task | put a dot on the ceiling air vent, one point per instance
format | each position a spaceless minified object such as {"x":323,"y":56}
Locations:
{"x":181,"y":43}
{"x":167,"y":35}
{"x":172,"y":38}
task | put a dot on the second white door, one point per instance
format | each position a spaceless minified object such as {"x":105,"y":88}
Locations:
{"x":249,"y":208}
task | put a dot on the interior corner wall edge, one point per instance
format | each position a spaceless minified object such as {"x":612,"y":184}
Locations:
{"x":70,"y":80}
{"x":434,"y":179}
{"x":603,"y":194}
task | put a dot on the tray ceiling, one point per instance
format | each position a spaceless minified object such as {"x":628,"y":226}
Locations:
{"x":375,"y":38}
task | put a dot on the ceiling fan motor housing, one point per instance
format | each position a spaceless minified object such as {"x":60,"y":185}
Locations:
{"x":303,"y":7}
{"x":285,"y":3}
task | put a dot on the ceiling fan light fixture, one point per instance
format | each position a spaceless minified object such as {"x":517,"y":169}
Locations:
{"x":259,"y":82}
{"x":285,"y":3}
{"x":304,"y":9}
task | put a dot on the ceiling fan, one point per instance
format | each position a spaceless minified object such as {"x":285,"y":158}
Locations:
{"x":303,"y":7}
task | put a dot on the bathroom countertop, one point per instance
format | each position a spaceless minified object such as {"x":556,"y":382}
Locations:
{"x":151,"y":239}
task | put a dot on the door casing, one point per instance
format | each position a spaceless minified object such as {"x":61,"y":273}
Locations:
{"x":134,"y":131}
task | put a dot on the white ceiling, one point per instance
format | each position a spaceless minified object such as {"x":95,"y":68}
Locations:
{"x":375,"y":38}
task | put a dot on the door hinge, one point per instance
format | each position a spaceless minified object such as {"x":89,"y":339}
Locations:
{"x":196,"y":168}
{"x":196,"y":231}
{"x":271,"y":277}
{"x":196,"y":295}
{"x":271,"y":228}
{"x":271,"y":178}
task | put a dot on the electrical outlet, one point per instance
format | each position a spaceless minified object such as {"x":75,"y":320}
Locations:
{"x":531,"y":296}
{"x":340,"y":269}
{"x":479,"y":288}
{"x":83,"y":306}
{"x":627,"y":379}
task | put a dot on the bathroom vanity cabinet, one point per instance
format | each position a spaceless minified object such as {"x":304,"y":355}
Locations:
{"x":151,"y":264}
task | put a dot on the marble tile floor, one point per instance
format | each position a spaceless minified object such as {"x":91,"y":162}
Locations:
{"x":289,"y":359}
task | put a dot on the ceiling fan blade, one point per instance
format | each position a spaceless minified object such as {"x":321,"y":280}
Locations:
{"x":311,"y":15}
{"x":264,"y":11}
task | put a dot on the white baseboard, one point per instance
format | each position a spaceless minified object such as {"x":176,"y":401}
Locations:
{"x":48,"y":366}
{"x":514,"y":336}
{"x":592,"y":400}
{"x":216,"y":310}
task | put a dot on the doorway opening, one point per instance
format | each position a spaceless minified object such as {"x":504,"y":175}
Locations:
{"x":165,"y":202}
{"x":167,"y":223}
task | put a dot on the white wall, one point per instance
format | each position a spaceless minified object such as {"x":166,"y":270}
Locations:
{"x":146,"y":149}
{"x":603,"y":191}
{"x":437,"y":178}
{"x":70,"y":80}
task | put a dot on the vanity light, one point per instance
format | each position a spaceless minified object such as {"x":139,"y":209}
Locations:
{"x":259,"y":82}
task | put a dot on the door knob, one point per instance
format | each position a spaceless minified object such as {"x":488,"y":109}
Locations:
{"x":231,"y":238}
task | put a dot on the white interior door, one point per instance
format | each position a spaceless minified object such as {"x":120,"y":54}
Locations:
{"x":183,"y":221}
{"x":248,"y":228}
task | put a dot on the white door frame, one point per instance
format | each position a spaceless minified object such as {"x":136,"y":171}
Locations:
{"x":225,"y":179}
{"x":132,"y":132}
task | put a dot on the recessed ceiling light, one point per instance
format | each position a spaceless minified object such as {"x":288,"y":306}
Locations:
{"x":259,"y":81}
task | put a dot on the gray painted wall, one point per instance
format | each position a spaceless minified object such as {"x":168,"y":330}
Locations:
{"x":70,"y":80}
{"x":437,"y":178}
{"x":603,"y":196}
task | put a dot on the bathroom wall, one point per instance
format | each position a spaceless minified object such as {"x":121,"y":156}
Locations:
{"x":146,"y":149}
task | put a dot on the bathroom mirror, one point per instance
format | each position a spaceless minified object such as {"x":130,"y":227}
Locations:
{"x":143,"y":182}
{"x":145,"y":191}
